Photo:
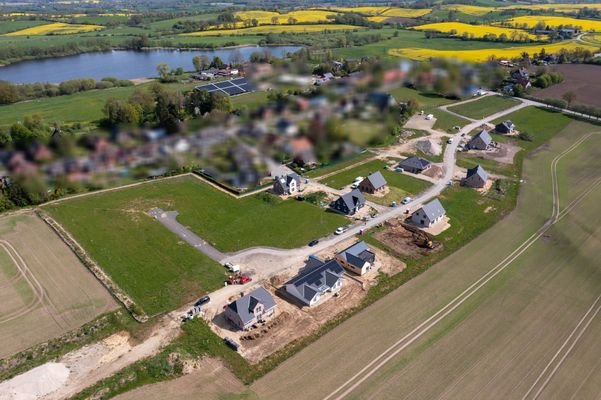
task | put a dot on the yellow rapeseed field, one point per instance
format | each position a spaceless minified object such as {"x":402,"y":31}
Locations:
{"x":55,"y":28}
{"x":301,"y":16}
{"x":478,"y":31}
{"x":531,"y":20}
{"x":482,"y":55}
{"x":275,"y":29}
{"x":560,"y":8}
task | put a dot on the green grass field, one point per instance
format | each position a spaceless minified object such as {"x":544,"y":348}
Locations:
{"x":86,"y":107}
{"x":446,"y":121}
{"x":483,"y":107}
{"x":12,"y":26}
{"x":541,"y":124}
{"x":118,"y":233}
{"x":400,"y":185}
{"x":406,"y":39}
{"x":426,"y":100}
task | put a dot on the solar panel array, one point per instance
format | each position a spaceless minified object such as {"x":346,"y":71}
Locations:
{"x":231,"y":87}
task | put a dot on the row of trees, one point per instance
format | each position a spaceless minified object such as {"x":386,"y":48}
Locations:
{"x":160,"y":107}
{"x":10,"y":93}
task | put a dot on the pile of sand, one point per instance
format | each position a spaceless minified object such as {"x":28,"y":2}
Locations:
{"x":428,"y":146}
{"x":35,"y":383}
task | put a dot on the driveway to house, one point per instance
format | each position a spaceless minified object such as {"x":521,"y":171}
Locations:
{"x":169,"y":219}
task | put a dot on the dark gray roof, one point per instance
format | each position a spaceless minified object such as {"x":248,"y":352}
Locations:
{"x":477,"y":170}
{"x":377,"y":180}
{"x":316,"y":280}
{"x":484,"y":136}
{"x":357,"y":254}
{"x":414,"y":162}
{"x":284,"y":180}
{"x":245,"y":304}
{"x":434,"y":209}
{"x":508,"y":124}
{"x":353,"y":198}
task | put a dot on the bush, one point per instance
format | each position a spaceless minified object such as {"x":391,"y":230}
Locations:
{"x":526,"y":137}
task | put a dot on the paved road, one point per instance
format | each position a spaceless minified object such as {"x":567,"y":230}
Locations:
{"x":429,"y":194}
{"x":169,"y":219}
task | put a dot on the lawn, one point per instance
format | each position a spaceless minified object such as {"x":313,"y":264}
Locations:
{"x":481,"y":108}
{"x":401,"y":185}
{"x":328,"y":168}
{"x":426,"y":100}
{"x":446,"y":121}
{"x":364,"y":133}
{"x":116,"y":230}
{"x":539,"y":123}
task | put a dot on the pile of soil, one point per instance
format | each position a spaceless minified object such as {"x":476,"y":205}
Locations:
{"x":408,"y":242}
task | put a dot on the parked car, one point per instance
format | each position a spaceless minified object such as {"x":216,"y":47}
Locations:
{"x":430,"y":117}
{"x":340,"y":230}
{"x":399,"y":169}
{"x":231,"y":267}
{"x":313,"y":242}
{"x":450,"y":141}
{"x":203,"y":300}
{"x":406,"y":200}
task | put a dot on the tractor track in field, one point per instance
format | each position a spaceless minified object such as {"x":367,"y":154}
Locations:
{"x":39,"y":294}
{"x":556,"y":215}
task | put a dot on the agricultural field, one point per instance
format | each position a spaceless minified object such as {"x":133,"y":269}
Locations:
{"x":117,"y":231}
{"x":481,"y":108}
{"x":13,"y":26}
{"x":484,"y":54}
{"x":553,"y":21}
{"x":478,"y":31}
{"x":580,"y":79}
{"x":260,"y":30}
{"x":271,"y":17}
{"x":511,"y":327}
{"x":401,"y":185}
{"x":45,"y":290}
{"x":55,"y":28}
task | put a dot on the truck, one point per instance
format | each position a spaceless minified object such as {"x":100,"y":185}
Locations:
{"x":232,"y":267}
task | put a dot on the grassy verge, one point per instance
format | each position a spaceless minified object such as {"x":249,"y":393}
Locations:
{"x":483,"y":107}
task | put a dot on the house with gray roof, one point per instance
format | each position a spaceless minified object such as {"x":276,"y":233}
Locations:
{"x":310,"y":285}
{"x":415,"y":165}
{"x":505,"y":127}
{"x":357,"y":258}
{"x":286,"y":184}
{"x":349,"y":203}
{"x":481,"y":141}
{"x":428,"y":214}
{"x":249,"y":309}
{"x":476,"y":177}
{"x":373,"y":183}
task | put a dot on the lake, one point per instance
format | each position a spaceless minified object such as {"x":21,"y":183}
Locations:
{"x":123,"y":64}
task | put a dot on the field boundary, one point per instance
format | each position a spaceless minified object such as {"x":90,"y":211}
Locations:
{"x":134,"y":309}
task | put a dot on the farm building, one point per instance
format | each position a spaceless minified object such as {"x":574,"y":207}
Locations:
{"x":505,"y":127}
{"x":481,"y":141}
{"x":428,"y":214}
{"x":311,"y":284}
{"x":357,"y":258}
{"x":414,"y":164}
{"x":286,"y":184}
{"x":349,"y":203}
{"x":251,"y":308}
{"x":373,"y":183}
{"x":476,"y":177}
